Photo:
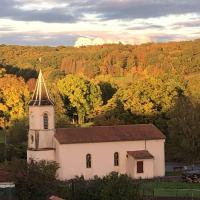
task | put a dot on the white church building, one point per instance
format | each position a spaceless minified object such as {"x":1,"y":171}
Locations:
{"x":136,"y":150}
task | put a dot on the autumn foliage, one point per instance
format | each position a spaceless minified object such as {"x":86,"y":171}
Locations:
{"x":109,"y":84}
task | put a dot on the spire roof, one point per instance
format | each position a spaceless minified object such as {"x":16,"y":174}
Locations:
{"x":40,"y":96}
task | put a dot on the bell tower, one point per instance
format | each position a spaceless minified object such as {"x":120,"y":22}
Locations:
{"x":41,"y":123}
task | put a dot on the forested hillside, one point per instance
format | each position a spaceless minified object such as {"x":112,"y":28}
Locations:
{"x":108,"y":84}
{"x":116,"y":60}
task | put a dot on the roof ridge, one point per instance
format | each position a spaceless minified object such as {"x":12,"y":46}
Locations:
{"x":150,"y":124}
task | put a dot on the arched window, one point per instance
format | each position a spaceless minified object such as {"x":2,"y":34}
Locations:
{"x":45,"y":121}
{"x":116,"y":159}
{"x":88,"y":161}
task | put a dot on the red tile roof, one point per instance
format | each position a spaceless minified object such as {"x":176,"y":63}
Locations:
{"x":142,"y":154}
{"x":116,"y":133}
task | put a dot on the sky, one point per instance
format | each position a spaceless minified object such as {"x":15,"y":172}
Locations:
{"x":89,"y":22}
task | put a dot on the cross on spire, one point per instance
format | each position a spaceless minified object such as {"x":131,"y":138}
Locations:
{"x":40,"y":96}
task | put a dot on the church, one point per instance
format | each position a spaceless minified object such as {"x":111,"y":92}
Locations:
{"x":136,"y":150}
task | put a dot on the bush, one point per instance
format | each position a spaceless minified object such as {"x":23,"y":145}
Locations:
{"x":111,"y":187}
{"x":9,"y":152}
{"x":34,"y":180}
{"x":119,"y":187}
{"x":37,"y":181}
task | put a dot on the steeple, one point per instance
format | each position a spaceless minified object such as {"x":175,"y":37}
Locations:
{"x":40,"y":96}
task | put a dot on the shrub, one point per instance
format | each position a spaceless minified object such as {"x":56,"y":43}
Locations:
{"x":37,"y":181}
{"x":34,"y":180}
{"x":111,"y":187}
{"x":119,"y":187}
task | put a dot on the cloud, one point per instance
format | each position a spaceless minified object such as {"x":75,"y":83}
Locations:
{"x":61,"y":22}
{"x":165,"y":37}
{"x":134,"y":9}
{"x":6,"y":29}
{"x":145,"y":26}
{"x":62,"y":11}
{"x":86,"y":41}
{"x":193,"y":23}
{"x":13,"y":9}
{"x":35,"y":38}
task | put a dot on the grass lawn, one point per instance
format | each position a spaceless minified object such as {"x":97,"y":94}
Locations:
{"x":170,"y":189}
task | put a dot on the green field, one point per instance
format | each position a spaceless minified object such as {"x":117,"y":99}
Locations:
{"x":170,"y":189}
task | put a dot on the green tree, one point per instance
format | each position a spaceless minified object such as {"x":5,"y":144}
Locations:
{"x":184,"y":131}
{"x":150,"y":96}
{"x":119,"y":187}
{"x":107,"y":91}
{"x":17,"y":133}
{"x":81,"y":96}
{"x":62,"y":120}
{"x":34,"y":180}
{"x":113,"y":113}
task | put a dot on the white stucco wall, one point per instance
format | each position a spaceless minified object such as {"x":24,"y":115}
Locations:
{"x":45,"y":138}
{"x":157,"y":149}
{"x":36,"y":126}
{"x":72,"y":157}
{"x":148,"y":166}
{"x":36,"y":117}
{"x":48,"y":155}
{"x":130,"y":168}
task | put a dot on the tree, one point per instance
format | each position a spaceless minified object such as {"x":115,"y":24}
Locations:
{"x":113,"y":113}
{"x":60,"y":112}
{"x":17,"y":133}
{"x":119,"y":187}
{"x":107,"y":91}
{"x":184,"y":131}
{"x":107,"y":85}
{"x":34,"y":180}
{"x":14,"y":96}
{"x":2,"y":72}
{"x":150,"y":96}
{"x":91,"y":70}
{"x":81,"y":97}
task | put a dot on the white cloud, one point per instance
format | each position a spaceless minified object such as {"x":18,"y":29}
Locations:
{"x":41,"y":6}
{"x":86,"y":41}
{"x":98,"y":41}
{"x":82,"y":41}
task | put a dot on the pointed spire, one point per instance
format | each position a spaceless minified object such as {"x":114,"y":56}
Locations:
{"x":40,"y":96}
